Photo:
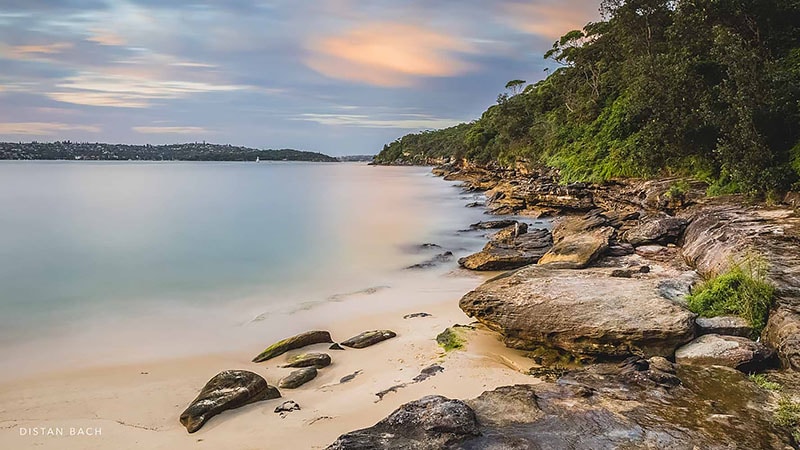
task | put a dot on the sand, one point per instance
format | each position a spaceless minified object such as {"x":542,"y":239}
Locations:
{"x":138,"y":405}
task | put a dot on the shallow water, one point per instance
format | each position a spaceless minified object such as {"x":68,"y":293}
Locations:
{"x":111,"y":262}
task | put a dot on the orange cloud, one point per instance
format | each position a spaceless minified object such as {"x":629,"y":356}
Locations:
{"x":551,"y":19}
{"x":106,"y":37}
{"x":33,"y":51}
{"x":43,"y":128}
{"x":389,"y":54}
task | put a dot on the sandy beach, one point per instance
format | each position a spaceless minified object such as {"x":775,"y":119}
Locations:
{"x":138,"y":405}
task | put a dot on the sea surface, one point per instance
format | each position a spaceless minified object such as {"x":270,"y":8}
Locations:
{"x":105,"y":262}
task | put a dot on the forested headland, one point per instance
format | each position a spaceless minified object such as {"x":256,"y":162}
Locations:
{"x":702,"y":88}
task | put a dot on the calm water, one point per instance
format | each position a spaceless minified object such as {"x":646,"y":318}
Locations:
{"x":112,"y":261}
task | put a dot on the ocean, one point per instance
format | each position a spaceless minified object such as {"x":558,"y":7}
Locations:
{"x":107,"y":263}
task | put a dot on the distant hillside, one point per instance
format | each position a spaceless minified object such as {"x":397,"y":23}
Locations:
{"x":356,"y":158}
{"x":66,"y":150}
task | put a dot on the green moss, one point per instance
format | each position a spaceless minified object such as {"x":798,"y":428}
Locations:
{"x":742,"y":291}
{"x":764,"y":383}
{"x":450,"y":339}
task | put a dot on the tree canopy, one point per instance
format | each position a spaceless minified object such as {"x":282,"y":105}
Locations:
{"x":706,"y":88}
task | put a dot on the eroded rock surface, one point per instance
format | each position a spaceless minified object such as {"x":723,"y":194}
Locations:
{"x":510,"y":251}
{"x":730,"y":351}
{"x":369,"y":338}
{"x":582,"y":312}
{"x":317,"y":360}
{"x":293,"y":343}
{"x":578,"y":241}
{"x":298,"y":378}
{"x":227,"y":390}
{"x":659,"y":230}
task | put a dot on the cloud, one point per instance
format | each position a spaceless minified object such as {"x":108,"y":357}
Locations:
{"x":129,"y":90}
{"x":43,"y":128}
{"x":403,"y":121}
{"x":106,"y":37}
{"x":25,"y":52}
{"x":170,"y":130}
{"x":550,"y":19}
{"x":389,"y":54}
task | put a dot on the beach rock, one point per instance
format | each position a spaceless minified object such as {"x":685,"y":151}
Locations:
{"x":661,"y":230}
{"x":287,"y":407}
{"x":724,"y":325}
{"x":293,"y":343}
{"x":298,"y":378}
{"x":511,"y":253}
{"x":369,"y":338}
{"x":620,"y":249}
{"x":475,"y":204}
{"x":581,"y":312}
{"x":783,"y":334}
{"x":317,"y":360}
{"x":335,"y":346}
{"x":435,"y":261}
{"x":729,"y":351}
{"x":227,"y":390}
{"x":415,"y":315}
{"x":578,"y":241}
{"x":657,"y":371}
{"x":350,"y":377}
{"x":433,"y":422}
{"x":493,"y":224}
{"x":653,"y":251}
{"x":509,"y":233}
{"x":597,"y":408}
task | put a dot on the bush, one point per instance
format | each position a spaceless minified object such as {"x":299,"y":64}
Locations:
{"x":742,"y":291}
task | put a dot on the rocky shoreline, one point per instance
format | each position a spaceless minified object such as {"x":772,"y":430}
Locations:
{"x":599,"y":303}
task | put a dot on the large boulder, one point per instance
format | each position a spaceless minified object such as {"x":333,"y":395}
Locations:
{"x":508,"y":250}
{"x":582,"y":312}
{"x":730,"y":351}
{"x":430,"y":423}
{"x":724,"y":325}
{"x":783,"y":334}
{"x":227,"y":390}
{"x":293,"y":343}
{"x":578,"y":241}
{"x":661,"y":230}
{"x":602,"y":408}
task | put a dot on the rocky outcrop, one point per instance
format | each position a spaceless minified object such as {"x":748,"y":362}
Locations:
{"x":729,"y":351}
{"x":317,"y":360}
{"x":582,"y":312}
{"x":298,"y":378}
{"x":493,"y":224}
{"x":293,"y":343}
{"x":578,"y":241}
{"x":227,"y":390}
{"x":661,"y":230}
{"x":599,"y":408}
{"x":724,"y":325}
{"x":510,"y":248}
{"x":432,"y":422}
{"x":369,"y":338}
{"x":433,"y":262}
{"x":783,"y":334}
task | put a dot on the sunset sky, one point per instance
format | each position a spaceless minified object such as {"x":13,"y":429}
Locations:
{"x":336,"y":76}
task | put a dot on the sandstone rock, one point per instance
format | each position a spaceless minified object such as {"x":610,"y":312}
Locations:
{"x":432,"y":422}
{"x":581,"y":312}
{"x":598,"y":408}
{"x":579,"y":250}
{"x":298,"y":378}
{"x":724,"y":325}
{"x":369,"y":338}
{"x":227,"y":390}
{"x":493,"y":224}
{"x":317,"y":360}
{"x":662,"y":230}
{"x":519,"y":251}
{"x":435,"y":261}
{"x":509,"y":233}
{"x":293,"y":343}
{"x":783,"y":334}
{"x":729,"y":351}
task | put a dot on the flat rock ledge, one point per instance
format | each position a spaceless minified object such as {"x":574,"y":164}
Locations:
{"x":510,"y":248}
{"x":601,"y":408}
{"x":583,"y":312}
{"x":227,"y":390}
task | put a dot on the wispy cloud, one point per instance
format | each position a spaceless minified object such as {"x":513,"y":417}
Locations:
{"x":403,"y":121}
{"x":550,"y":18}
{"x":43,"y":128}
{"x":170,"y":130}
{"x":389,"y":54}
{"x":33,"y":51}
{"x":106,"y":37}
{"x":129,"y":90}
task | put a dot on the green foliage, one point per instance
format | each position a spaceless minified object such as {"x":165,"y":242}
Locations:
{"x":678,"y":190}
{"x":762,"y":382}
{"x":742,"y":291}
{"x":707,"y":88}
{"x":788,"y":415}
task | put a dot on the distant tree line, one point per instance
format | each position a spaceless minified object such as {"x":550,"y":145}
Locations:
{"x":706,"y":88}
{"x":67,"y":150}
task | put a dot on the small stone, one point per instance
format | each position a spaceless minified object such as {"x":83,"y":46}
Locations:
{"x":317,"y":360}
{"x":335,"y":346}
{"x":369,"y":338}
{"x":415,"y":315}
{"x":298,"y":378}
{"x":287,"y":407}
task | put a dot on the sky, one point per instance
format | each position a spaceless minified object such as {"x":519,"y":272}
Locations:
{"x":335,"y":76}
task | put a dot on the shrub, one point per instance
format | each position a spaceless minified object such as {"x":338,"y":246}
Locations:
{"x":742,"y":291}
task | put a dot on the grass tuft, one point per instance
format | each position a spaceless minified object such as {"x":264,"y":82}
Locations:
{"x":762,"y":382}
{"x":742,"y":291}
